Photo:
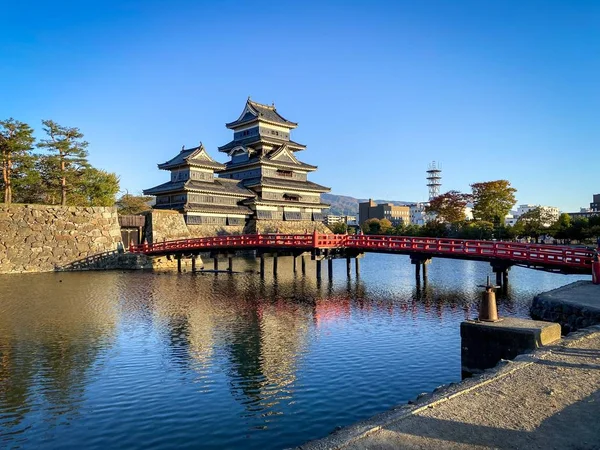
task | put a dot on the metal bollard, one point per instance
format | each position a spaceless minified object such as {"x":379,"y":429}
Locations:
{"x":488,"y":311}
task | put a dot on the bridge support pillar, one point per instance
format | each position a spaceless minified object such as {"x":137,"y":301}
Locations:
{"x":216,"y":262}
{"x":294,"y":263}
{"x":348,"y":266}
{"x":330,"y":268}
{"x":194,"y":257}
{"x":357,"y":266}
{"x":230,"y":267}
{"x":501,"y":270}
{"x":262,"y":265}
{"x":418,"y":261}
{"x":275,"y":264}
{"x":303,"y":264}
{"x":179,"y":263}
{"x":318,"y":261}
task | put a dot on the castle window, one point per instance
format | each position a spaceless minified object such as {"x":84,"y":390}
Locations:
{"x":285,"y":173}
{"x":291,"y":197}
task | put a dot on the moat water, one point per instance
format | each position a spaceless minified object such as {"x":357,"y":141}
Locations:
{"x":134,"y":360}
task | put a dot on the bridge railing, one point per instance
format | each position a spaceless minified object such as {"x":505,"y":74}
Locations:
{"x":227,"y":242}
{"x":516,"y":251}
{"x":513,"y":251}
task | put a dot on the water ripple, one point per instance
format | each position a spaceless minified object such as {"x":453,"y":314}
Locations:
{"x":141,"y":360}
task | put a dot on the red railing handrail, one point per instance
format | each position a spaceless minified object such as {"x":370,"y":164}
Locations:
{"x":513,"y":251}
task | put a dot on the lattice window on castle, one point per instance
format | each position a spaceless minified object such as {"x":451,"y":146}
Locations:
{"x":285,"y":173}
{"x":236,"y":221}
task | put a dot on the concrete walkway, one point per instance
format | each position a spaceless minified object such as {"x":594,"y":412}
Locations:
{"x":546,"y":400}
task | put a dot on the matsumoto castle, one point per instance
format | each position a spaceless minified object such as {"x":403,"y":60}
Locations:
{"x":263,"y":181}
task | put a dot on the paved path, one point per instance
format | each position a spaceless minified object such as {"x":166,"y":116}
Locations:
{"x":546,"y":400}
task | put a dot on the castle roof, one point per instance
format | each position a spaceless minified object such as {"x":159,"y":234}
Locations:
{"x":196,"y":156}
{"x":280,"y":157}
{"x":260,"y":139}
{"x":218,"y":186}
{"x":265,"y":113}
{"x":282,"y":183}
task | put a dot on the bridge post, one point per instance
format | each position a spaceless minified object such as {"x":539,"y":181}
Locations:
{"x":262,"y":265}
{"x":418,"y":261}
{"x":303,"y":264}
{"x":275,"y":264}
{"x":418,"y":271}
{"x":330,"y":268}
{"x":501,"y":270}
{"x":194,"y":263}
{"x":348,"y":266}
{"x":216,"y":262}
{"x":318,"y":261}
{"x":294,"y":262}
{"x":230,"y":268}
{"x":178,"y":263}
{"x":357,"y":266}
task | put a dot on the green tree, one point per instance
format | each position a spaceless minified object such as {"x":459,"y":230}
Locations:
{"x":449,"y":207}
{"x":560,"y":228}
{"x":68,"y":155}
{"x":492,"y":200}
{"x":95,"y":187}
{"x":371,"y":226}
{"x":385,"y":226}
{"x":434,"y":229}
{"x":133,"y":204}
{"x":339,"y":228}
{"x":536,"y":222}
{"x":16,"y":144}
{"x":479,"y":229}
{"x":577,"y":230}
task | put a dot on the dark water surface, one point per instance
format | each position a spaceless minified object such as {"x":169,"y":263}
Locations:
{"x":142,"y":360}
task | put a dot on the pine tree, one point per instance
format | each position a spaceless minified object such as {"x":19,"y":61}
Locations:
{"x":16,"y":144}
{"x":68,"y":155}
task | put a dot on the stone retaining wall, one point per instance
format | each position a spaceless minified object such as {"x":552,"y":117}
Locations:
{"x":168,"y":225}
{"x":214,"y":230}
{"x":165,"y":225}
{"x":41,"y":238}
{"x":288,"y":227}
{"x":574,"y":306}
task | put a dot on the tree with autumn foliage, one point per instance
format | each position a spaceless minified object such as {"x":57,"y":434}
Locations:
{"x":449,"y":207}
{"x":492,"y":200}
{"x":16,"y":144}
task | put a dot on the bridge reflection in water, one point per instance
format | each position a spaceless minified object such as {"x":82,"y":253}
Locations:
{"x":124,"y":359}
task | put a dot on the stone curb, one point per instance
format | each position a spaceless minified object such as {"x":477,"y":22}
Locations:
{"x":341,"y":438}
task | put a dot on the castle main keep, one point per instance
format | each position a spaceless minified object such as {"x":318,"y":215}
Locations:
{"x":263,"y":187}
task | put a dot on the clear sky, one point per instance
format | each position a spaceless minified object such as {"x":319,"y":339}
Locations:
{"x":491,"y":89}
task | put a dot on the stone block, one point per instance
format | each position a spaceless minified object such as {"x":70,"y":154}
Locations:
{"x":484,"y":344}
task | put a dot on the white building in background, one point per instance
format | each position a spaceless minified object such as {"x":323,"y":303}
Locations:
{"x":552,"y":211}
{"x":510,"y":219}
{"x":331,"y":219}
{"x":417,"y":214}
{"x":468,"y":212}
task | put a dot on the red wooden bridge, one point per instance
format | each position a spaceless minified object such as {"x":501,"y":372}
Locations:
{"x":554,"y":258}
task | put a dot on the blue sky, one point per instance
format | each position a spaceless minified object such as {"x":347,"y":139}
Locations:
{"x":499,"y":89}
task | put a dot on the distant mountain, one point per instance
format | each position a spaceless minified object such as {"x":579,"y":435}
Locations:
{"x":345,"y":205}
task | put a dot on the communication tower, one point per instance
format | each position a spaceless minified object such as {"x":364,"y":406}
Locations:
{"x":434,"y":177}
